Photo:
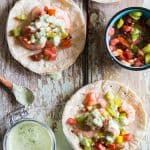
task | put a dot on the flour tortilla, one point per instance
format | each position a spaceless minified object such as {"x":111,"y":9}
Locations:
{"x":137,"y":128}
{"x":66,"y":57}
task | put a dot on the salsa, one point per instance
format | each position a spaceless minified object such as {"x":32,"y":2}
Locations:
{"x":130,"y":39}
{"x":102,"y":122}
{"x":45,"y":30}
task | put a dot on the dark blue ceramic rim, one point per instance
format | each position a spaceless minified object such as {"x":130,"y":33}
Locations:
{"x":129,"y":9}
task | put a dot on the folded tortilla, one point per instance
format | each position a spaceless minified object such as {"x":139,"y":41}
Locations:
{"x":137,"y":128}
{"x":66,"y":57}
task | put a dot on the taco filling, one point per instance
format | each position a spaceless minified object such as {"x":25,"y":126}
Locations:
{"x":45,"y":29}
{"x":102,"y":122}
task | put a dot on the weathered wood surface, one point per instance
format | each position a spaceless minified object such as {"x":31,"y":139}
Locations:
{"x":92,"y":65}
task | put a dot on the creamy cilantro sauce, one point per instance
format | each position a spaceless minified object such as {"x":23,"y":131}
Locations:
{"x":49,"y":27}
{"x":29,"y":135}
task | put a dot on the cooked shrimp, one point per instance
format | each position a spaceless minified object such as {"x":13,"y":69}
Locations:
{"x":129,"y":110}
{"x":102,"y":102}
{"x":24,"y":41}
{"x":36,"y":12}
{"x":62,"y":15}
{"x":88,"y":134}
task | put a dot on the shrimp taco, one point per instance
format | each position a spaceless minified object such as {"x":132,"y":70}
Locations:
{"x":104,"y":116}
{"x":46,"y":36}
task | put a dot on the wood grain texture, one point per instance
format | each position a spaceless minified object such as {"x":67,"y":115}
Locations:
{"x":92,"y":65}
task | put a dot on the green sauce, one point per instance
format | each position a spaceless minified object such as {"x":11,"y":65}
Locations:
{"x":29,"y":135}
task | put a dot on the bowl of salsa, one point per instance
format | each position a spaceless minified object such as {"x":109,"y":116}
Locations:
{"x":128,"y":38}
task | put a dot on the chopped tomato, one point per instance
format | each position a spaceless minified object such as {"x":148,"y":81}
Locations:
{"x":111,"y":31}
{"x":72,"y":121}
{"x":37,"y":57}
{"x":90,"y":99}
{"x":49,"y":44}
{"x":112,"y":146}
{"x":123,"y":41}
{"x":114,"y":42}
{"x":50,"y":53}
{"x":100,"y":147}
{"x":128,"y":137}
{"x":128,"y":54}
{"x":66,"y":43}
{"x":51,"y":12}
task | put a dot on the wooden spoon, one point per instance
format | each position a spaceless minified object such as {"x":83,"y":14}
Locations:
{"x":23,"y":95}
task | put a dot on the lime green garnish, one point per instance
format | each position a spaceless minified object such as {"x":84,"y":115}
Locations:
{"x":17,"y":31}
{"x":120,"y":23}
{"x":146,"y":49}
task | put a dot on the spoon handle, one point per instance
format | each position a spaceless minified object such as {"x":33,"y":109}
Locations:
{"x":6,"y":83}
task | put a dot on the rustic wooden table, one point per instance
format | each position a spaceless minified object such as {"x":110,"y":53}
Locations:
{"x":94,"y":64}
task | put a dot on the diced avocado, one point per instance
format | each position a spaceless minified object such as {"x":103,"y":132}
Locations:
{"x":17,"y":31}
{"x":81,"y":118}
{"x":87,"y":142}
{"x":123,"y":119}
{"x":146,"y":49}
{"x":112,"y":112}
{"x":135,"y":34}
{"x":22,"y":17}
{"x":135,"y":15}
{"x":51,"y":35}
{"x":64,"y":35}
{"x":120,"y":23}
{"x":135,"y":37}
{"x":109,"y":96}
{"x":147,"y":58}
{"x":119,"y":139}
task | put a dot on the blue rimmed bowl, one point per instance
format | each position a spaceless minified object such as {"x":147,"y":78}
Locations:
{"x":112,"y":22}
